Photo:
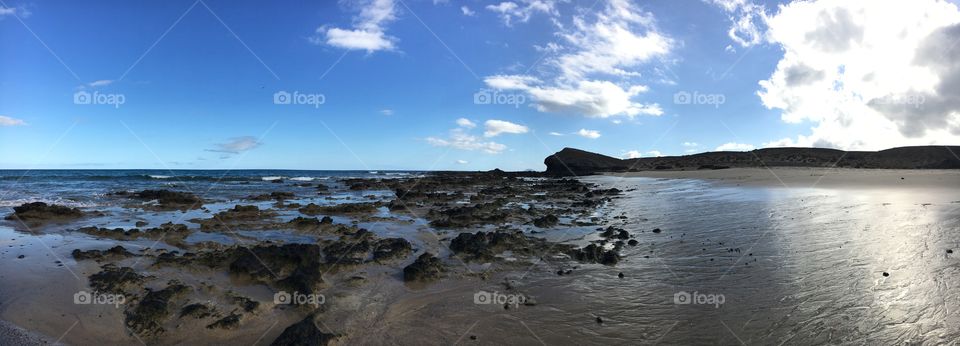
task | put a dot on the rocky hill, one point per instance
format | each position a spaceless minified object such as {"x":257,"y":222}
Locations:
{"x":571,"y":161}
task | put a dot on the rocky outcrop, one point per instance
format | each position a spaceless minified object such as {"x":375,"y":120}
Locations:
{"x":570,"y":161}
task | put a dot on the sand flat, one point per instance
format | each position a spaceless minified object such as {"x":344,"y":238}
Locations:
{"x":833,"y":178}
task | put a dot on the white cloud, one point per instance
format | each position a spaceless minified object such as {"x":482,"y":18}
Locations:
{"x":598,"y":99}
{"x":732,"y":146}
{"x":236,"y":145}
{"x":100,"y":83}
{"x":690,"y":144}
{"x":8,"y":121}
{"x":21,"y":11}
{"x":747,"y":21}
{"x":368,"y":32}
{"x":462,"y":162}
{"x":459,"y":139}
{"x":636,"y":154}
{"x":558,"y":134}
{"x":868,"y":75}
{"x":387,"y":112}
{"x":611,"y":43}
{"x":467,"y":11}
{"x":464,"y":122}
{"x":496,"y":127}
{"x":522,"y":10}
{"x":592,"y":134}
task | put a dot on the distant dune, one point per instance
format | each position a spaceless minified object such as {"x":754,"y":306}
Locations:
{"x":571,"y":161}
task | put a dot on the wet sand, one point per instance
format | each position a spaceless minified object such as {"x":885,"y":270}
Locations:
{"x":842,"y":178}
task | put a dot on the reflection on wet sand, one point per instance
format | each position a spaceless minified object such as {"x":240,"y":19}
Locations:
{"x":794,"y":266}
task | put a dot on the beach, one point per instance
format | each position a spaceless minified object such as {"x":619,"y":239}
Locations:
{"x":794,"y":256}
{"x":804,"y":177}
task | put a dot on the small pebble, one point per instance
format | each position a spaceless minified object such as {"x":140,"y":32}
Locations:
{"x":599,"y":320}
{"x":620,"y":275}
{"x":949,"y":250}
{"x":886,"y":274}
{"x":21,"y":256}
{"x":473,"y":337}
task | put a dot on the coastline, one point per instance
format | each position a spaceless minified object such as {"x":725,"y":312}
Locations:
{"x":814,"y":177}
{"x":14,"y":335}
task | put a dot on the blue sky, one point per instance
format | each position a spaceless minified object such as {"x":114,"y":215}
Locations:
{"x":191,"y":84}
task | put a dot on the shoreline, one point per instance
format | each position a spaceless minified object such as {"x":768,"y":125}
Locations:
{"x":14,"y":335}
{"x":814,"y":177}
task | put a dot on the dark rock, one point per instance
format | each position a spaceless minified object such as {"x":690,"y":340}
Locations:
{"x":273,"y":196}
{"x":99,"y":255}
{"x":147,"y":318}
{"x":113,"y":279}
{"x":297,"y":264}
{"x":38,"y":212}
{"x":170,"y":200}
{"x":886,"y":274}
{"x":546,"y":221}
{"x":231,"y":321}
{"x":391,"y":248}
{"x":426,"y":268}
{"x":303,"y":333}
{"x":347,"y":208}
{"x":197,"y":311}
{"x":595,"y":254}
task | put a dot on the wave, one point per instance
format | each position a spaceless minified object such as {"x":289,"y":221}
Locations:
{"x":57,"y":201}
{"x":271,"y":178}
{"x":303,"y":179}
{"x":159,"y":176}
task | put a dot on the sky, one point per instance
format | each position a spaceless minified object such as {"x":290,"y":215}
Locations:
{"x":465,"y":85}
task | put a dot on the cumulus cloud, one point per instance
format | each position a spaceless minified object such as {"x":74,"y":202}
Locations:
{"x":8,"y":121}
{"x":462,"y":162}
{"x":592,"y":134}
{"x":236,"y":145}
{"x":368,"y":31}
{"x":733,"y":146}
{"x":632,"y":154}
{"x":636,"y":154}
{"x":496,"y":127}
{"x":598,"y":47}
{"x":690,"y":144}
{"x":521,"y":11}
{"x":467,"y":11}
{"x":868,"y":75}
{"x":747,"y":21}
{"x":464,"y":122}
{"x":462,"y":140}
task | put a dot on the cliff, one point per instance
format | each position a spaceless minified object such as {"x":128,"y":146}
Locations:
{"x":571,"y":161}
